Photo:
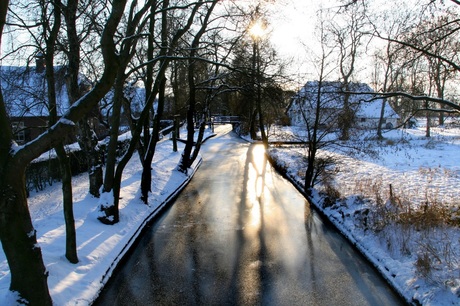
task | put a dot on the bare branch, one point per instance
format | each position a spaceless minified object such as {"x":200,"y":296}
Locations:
{"x":379,"y":95}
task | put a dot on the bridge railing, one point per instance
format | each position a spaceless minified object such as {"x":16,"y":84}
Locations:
{"x":225,"y":119}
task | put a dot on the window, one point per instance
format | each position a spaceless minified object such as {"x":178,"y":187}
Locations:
{"x":19,"y":131}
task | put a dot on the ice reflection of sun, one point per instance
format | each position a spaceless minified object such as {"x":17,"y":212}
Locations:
{"x":256,"y":182}
{"x":259,"y":186}
{"x":255,"y":216}
{"x":258,"y":159}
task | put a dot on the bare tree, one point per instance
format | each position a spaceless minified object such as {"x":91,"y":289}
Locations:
{"x":50,"y":34}
{"x":431,"y":34}
{"x":112,"y":180}
{"x":185,"y":161}
{"x":109,"y":210}
{"x":151,"y":139}
{"x":72,"y":47}
{"x":17,"y":234}
{"x":387,"y":66}
{"x":440,"y":72}
{"x":311,"y":104}
{"x":349,"y":38}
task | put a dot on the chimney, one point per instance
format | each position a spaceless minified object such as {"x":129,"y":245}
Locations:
{"x":39,"y":62}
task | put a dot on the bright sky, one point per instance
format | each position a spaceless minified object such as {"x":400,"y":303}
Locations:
{"x":293,"y":35}
{"x":293,"y":23}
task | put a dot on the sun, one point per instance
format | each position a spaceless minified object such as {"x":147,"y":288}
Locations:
{"x":257,"y":29}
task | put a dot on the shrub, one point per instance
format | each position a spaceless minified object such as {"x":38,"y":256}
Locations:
{"x":330,"y":195}
{"x":423,"y":265}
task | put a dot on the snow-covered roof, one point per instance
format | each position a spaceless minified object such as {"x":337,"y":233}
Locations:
{"x":134,"y":94}
{"x":25,"y":91}
{"x":332,"y":97}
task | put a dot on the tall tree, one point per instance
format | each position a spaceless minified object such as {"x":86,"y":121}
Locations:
{"x":441,"y":44}
{"x":17,"y":234}
{"x":87,"y":138}
{"x":348,"y":38}
{"x":185,"y":161}
{"x":386,"y":62}
{"x":423,"y":35}
{"x":134,"y":26}
{"x":151,"y":141}
{"x":255,"y":76}
{"x":109,"y":204}
{"x":312,"y":107}
{"x":50,"y":34}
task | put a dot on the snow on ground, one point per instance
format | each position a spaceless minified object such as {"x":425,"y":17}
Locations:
{"x":423,"y":261}
{"x":100,"y":247}
{"x":418,"y":169}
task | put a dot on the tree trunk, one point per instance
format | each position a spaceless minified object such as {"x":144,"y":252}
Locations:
{"x":110,"y":214}
{"x":379,"y":127}
{"x":146,"y":179}
{"x":19,"y":239}
{"x":184,"y":163}
{"x":199,"y":141}
{"x":428,"y":120}
{"x":263,"y":135}
{"x":108,"y":205}
{"x":256,"y":56}
{"x":252,"y":124}
{"x":309,"y":173}
{"x":106,"y":216}
{"x":71,"y":236}
{"x":114,"y":129}
{"x":87,"y":139}
{"x":346,"y":118}
{"x":93,"y":157}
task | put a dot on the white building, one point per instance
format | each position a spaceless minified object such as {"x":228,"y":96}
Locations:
{"x":363,"y":102}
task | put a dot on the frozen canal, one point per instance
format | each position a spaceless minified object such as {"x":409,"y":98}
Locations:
{"x":239,"y":234}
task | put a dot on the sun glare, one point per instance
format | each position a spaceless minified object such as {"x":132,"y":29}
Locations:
{"x":257,"y":29}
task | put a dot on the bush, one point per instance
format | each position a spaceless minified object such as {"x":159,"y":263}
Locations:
{"x":330,"y":195}
{"x":43,"y":173}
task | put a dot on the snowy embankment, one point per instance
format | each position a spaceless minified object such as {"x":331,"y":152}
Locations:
{"x":100,"y":247}
{"x":409,"y":230}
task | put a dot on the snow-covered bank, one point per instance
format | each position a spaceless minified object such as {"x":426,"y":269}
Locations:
{"x":422,"y":262}
{"x":100,"y":247}
{"x":394,"y":250}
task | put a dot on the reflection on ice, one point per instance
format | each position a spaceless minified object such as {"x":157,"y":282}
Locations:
{"x":259,"y":186}
{"x":255,"y":184}
{"x":254,"y":216}
{"x":257,"y":161}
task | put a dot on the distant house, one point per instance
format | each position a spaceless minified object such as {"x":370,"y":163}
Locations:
{"x":25,"y":94}
{"x":133,"y":95}
{"x":365,"y":107}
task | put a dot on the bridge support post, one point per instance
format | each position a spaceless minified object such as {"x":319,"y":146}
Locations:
{"x":175,"y":132}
